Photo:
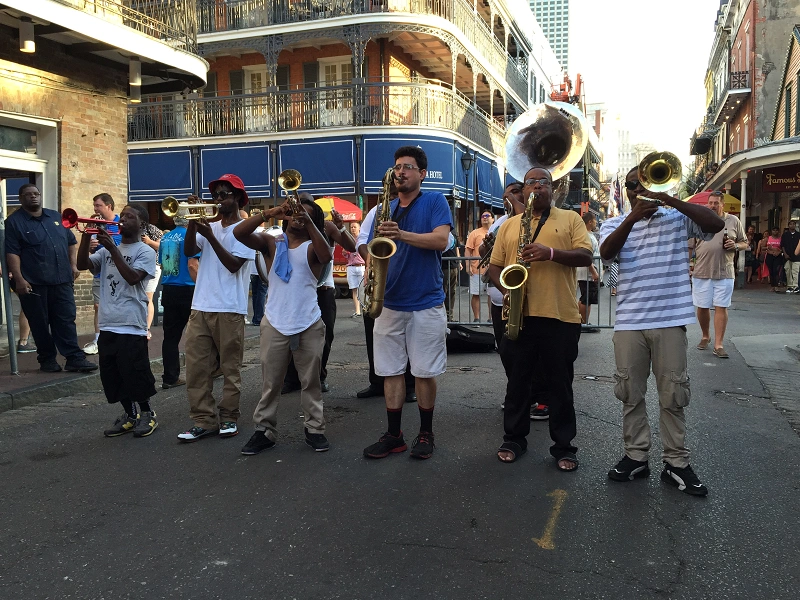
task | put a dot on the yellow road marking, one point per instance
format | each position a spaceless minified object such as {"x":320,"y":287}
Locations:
{"x":546,"y":541}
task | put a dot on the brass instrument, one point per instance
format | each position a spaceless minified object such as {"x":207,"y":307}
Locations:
{"x":70,"y":219}
{"x":186,"y":210}
{"x":488,"y":246}
{"x":290,"y":180}
{"x":380,"y":249}
{"x":659,"y":172}
{"x":552,"y":136}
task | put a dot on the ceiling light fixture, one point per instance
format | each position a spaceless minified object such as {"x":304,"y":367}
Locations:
{"x":135,"y":72}
{"x":26,"y":42}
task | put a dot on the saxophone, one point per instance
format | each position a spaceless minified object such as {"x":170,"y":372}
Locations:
{"x":380,"y":250}
{"x":514,"y":277}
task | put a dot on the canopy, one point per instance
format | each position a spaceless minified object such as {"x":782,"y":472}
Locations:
{"x":730,"y":204}
{"x":348,"y":210}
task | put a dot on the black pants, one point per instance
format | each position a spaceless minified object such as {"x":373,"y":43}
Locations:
{"x":376,"y":381}
{"x":51,"y":315}
{"x":774,"y":264}
{"x":545,"y":351}
{"x":177,"y":303}
{"x":125,"y":367}
{"x":326,"y":297}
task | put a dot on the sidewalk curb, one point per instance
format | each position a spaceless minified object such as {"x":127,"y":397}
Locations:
{"x":46,"y":392}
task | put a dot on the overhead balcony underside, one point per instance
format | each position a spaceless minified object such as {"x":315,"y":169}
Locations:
{"x":162,"y":34}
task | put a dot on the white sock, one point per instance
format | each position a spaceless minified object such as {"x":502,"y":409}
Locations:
{"x":96,"y":337}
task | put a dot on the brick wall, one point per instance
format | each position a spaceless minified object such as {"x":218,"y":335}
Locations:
{"x":89,"y":101}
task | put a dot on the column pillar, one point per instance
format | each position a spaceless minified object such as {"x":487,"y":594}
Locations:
{"x":743,"y":219}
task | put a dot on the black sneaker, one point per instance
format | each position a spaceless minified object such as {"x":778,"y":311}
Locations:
{"x":124,"y":424}
{"x":25,"y":348}
{"x":411,"y":397}
{"x":258,"y":443}
{"x":194,"y":434}
{"x":684,"y":479}
{"x":81,"y":364}
{"x":324,"y":387}
{"x":50,"y":367}
{"x":423,"y":445}
{"x":145,"y":424}
{"x":369,"y":392}
{"x":317,"y":441}
{"x":628,"y":469}
{"x":386,"y":445}
{"x":288,"y":388}
{"x":540,"y":412}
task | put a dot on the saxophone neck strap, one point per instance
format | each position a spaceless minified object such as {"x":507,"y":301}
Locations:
{"x":542,"y":220}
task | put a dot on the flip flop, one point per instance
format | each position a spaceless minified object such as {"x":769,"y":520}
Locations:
{"x":569,"y":456}
{"x":704,"y":342}
{"x":514,"y":448}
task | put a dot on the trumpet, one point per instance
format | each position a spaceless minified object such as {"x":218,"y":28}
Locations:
{"x":186,"y":210}
{"x":70,"y":219}
{"x":290,"y":180}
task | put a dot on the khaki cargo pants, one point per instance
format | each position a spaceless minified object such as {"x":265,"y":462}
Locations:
{"x":634,"y":352}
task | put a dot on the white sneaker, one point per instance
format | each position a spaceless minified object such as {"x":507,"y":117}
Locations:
{"x":90,"y":348}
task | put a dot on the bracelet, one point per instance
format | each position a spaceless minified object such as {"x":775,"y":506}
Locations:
{"x":551,"y":254}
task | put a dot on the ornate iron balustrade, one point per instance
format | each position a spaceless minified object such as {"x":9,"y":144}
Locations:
{"x":739,"y":80}
{"x":362,"y":105}
{"x":173,"y":22}
{"x":227,"y":15}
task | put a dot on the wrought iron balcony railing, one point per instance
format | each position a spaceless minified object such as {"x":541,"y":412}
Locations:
{"x":359,"y":105}
{"x":218,"y":15}
{"x":173,"y":22}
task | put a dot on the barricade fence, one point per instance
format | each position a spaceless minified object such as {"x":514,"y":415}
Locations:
{"x":467,"y":297}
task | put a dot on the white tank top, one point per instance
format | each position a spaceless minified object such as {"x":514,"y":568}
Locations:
{"x":292,"y":307}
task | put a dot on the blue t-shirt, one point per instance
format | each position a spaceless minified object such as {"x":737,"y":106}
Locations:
{"x":414,"y":279}
{"x":174,"y":265}
{"x":113,"y":231}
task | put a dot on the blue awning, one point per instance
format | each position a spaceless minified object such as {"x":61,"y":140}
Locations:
{"x":484,"y":166}
{"x":378,"y":155}
{"x":497,"y":186}
{"x":327,"y":165}
{"x":155,"y":174}
{"x":251,"y":162}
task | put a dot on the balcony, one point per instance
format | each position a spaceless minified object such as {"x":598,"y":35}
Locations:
{"x":428,"y":105}
{"x":231,"y":15}
{"x":730,"y":98}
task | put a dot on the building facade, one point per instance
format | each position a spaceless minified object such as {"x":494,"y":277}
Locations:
{"x":553,"y":16}
{"x":66,"y":69}
{"x":333,"y":88}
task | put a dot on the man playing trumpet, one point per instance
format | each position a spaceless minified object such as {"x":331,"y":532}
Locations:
{"x":551,"y":323}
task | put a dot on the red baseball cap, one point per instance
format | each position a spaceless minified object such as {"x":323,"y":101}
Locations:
{"x":235,"y":182}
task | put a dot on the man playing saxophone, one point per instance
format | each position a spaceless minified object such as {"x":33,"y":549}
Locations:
{"x":413,"y":322}
{"x":552,"y":244}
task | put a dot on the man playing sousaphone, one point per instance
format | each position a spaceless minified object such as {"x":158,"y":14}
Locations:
{"x":554,"y":245}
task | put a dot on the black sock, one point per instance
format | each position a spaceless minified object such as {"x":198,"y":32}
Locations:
{"x":426,"y":419}
{"x":394,"y":417}
{"x":129,"y":409}
{"x":145,"y":406}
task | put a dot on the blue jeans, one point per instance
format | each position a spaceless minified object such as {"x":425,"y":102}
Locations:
{"x":259,"y":291}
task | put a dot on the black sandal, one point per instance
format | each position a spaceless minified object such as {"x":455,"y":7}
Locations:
{"x":514,"y":448}
{"x":570,"y":457}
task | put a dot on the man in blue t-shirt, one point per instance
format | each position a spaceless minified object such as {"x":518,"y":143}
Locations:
{"x":178,"y":273}
{"x":412,"y":326}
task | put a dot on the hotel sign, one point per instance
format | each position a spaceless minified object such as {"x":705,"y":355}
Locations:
{"x":781,"y":179}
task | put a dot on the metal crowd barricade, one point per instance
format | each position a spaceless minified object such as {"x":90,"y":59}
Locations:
{"x":603,"y":314}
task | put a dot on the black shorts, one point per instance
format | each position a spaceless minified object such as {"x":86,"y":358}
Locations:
{"x":591,"y":292}
{"x":125,"y":367}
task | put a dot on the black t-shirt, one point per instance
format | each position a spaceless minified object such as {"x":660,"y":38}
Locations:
{"x":789,"y":243}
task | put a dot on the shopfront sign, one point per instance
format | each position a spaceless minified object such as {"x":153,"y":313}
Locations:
{"x":781,"y":179}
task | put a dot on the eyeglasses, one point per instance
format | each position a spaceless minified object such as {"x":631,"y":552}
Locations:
{"x":543,"y":181}
{"x":222,"y":195}
{"x":632,"y":184}
{"x":405,"y":167}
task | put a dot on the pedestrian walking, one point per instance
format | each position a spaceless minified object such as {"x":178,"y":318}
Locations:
{"x":355,"y":270}
{"x":773,"y":258}
{"x":653,"y":308}
{"x":789,"y":241}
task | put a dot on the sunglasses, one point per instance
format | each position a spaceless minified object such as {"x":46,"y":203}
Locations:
{"x":222,"y":195}
{"x":485,"y":216}
{"x":543,"y":181}
{"x":632,"y":184}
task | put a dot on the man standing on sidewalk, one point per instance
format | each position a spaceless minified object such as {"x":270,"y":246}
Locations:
{"x":42,"y":260}
{"x":178,"y":274}
{"x":476,"y":285}
{"x":654,"y":307}
{"x":714,"y":274}
{"x":789,"y":241}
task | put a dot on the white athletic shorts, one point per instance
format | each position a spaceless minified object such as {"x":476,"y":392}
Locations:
{"x":355,"y":273}
{"x":707,"y":293}
{"x":476,"y":286}
{"x":418,"y":336}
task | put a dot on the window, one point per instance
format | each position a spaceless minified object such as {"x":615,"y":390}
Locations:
{"x":532,"y":97}
{"x":541,"y":93}
{"x":787,"y":112}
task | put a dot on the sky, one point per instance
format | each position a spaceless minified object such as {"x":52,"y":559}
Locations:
{"x":646,"y":60}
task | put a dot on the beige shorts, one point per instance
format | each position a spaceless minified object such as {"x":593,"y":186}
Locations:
{"x":418,"y":337}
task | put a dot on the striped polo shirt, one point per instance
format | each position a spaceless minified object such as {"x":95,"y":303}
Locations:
{"x":654,"y":290}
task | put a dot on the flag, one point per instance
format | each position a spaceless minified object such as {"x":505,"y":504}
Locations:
{"x":617,"y":195}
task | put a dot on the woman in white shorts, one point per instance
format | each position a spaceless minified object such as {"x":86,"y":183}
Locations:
{"x":152,"y":237}
{"x":355,"y":269}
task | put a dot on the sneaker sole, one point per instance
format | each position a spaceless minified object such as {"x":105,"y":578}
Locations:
{"x":317,"y":449}
{"x":200,"y":437}
{"x":421,"y":456}
{"x":622,"y":477}
{"x":259,"y":451}
{"x":397,"y":450}
{"x":229,"y":435}
{"x":117,"y":434}
{"x":77,"y":370}
{"x":538,"y":418}
{"x":140,"y":435}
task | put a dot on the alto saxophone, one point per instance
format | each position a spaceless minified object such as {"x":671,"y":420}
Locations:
{"x":514,"y":277}
{"x":380,"y":249}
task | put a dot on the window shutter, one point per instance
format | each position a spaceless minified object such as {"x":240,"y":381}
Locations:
{"x":211,"y":87}
{"x":310,"y":74}
{"x":282,"y":77}
{"x":236,"y":79}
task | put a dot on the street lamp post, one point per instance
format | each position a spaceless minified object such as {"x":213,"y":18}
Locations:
{"x":467,"y":160}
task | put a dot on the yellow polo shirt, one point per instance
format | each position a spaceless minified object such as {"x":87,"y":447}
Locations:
{"x":551,"y":287}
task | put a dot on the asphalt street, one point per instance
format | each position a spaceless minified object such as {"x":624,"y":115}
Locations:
{"x":87,"y":517}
